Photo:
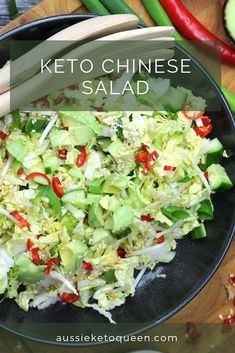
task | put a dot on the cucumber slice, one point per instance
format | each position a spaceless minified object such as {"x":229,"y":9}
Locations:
{"x":229,"y":18}
{"x":95,"y":187}
{"x":74,"y":197}
{"x":215,"y":154}
{"x":218,"y":178}
{"x":199,"y":232}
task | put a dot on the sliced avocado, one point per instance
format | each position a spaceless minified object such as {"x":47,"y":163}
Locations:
{"x":173,"y":99}
{"x":79,"y":118}
{"x":75,"y":197}
{"x":80,"y":135}
{"x":60,"y":138}
{"x":95,"y":215}
{"x":122,"y":218}
{"x":76,"y":173}
{"x":50,"y":160}
{"x":27,"y":272}
{"x":114,"y":148}
{"x":71,"y":157}
{"x":100,"y":234}
{"x":72,"y":254}
{"x":114,"y":184}
{"x":108,"y":224}
{"x":69,"y":222}
{"x":218,"y":178}
{"x":229,"y":18}
{"x":16,"y":149}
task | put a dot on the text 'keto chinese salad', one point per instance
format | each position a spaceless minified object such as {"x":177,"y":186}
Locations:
{"x":90,"y":200}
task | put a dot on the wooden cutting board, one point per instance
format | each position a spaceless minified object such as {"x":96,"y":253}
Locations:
{"x":212,"y":300}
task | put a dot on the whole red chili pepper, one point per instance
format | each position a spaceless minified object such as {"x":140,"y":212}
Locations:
{"x":52,"y":262}
{"x":21,"y":220}
{"x":57,"y":187}
{"x":81,"y":157}
{"x":192,"y":29}
{"x":69,"y":298}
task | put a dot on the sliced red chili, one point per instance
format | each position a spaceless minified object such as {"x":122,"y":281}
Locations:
{"x":40,"y":235}
{"x":186,"y":112}
{"x":57,"y":187}
{"x":206,"y":120}
{"x":206,"y":175}
{"x":121,"y":252}
{"x":160,"y":239}
{"x":35,"y":256}
{"x":51,"y":263}
{"x":20,"y":171}
{"x":63,"y":153}
{"x":3,"y":136}
{"x":30,"y":244}
{"x":87,"y":266}
{"x":151,"y":159}
{"x":145,"y":171}
{"x":203,"y":131}
{"x":33,"y":176}
{"x":81,"y":157}
{"x":21,"y":220}
{"x":146,"y":218}
{"x":142,"y":156}
{"x":69,"y":298}
{"x":169,"y":168}
{"x":100,"y":110}
{"x":85,"y":220}
{"x":145,"y":148}
{"x":232,"y":279}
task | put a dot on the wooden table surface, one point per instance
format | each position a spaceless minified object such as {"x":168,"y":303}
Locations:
{"x":212,"y":300}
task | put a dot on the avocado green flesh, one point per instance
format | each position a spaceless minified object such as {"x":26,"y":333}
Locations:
{"x":229,"y":18}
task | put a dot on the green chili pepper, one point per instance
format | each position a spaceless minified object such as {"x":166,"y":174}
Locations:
{"x":13,"y":10}
{"x":205,"y":211}
{"x":199,"y":232}
{"x":95,"y":6}
{"x":119,"y":7}
{"x":175,"y":213}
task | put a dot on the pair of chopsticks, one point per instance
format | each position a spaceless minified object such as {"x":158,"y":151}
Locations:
{"x":30,"y":85}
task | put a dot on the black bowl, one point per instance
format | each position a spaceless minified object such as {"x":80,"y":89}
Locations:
{"x":155,"y":299}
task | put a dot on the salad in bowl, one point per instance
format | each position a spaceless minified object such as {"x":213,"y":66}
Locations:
{"x":91,"y":200}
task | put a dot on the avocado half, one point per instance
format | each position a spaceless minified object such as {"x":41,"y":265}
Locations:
{"x":229,"y":18}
